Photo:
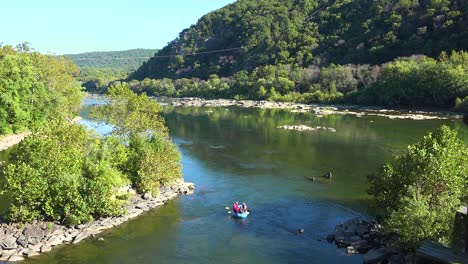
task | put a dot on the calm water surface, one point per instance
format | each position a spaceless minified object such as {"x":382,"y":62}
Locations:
{"x":239,"y":155}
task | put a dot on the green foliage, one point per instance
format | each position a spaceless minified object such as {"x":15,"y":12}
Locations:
{"x":153,"y":160}
{"x":461,"y":105}
{"x":130,"y":113}
{"x":309,"y":32}
{"x":96,"y":80}
{"x":422,"y":82}
{"x":420,"y":191}
{"x":416,"y":82}
{"x":34,"y":88}
{"x":64,"y":173}
{"x":121,"y":60}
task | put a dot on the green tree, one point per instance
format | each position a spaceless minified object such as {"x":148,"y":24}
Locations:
{"x":420,"y":191}
{"x":64,"y":173}
{"x":153,"y":159}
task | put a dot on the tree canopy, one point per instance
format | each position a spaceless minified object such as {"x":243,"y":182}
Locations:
{"x":34,"y":88}
{"x":125,"y":59}
{"x":249,"y":33}
{"x":420,"y":191}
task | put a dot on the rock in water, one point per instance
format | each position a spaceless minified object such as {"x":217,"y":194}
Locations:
{"x":300,"y":231}
{"x":328,"y":175}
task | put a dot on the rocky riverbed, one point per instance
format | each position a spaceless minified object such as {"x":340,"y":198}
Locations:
{"x":307,"y":128}
{"x":360,"y":236}
{"x":316,"y":109}
{"x":20,"y":241}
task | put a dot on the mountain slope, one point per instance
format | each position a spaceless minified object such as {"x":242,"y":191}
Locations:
{"x":305,"y":32}
{"x":126,"y":59}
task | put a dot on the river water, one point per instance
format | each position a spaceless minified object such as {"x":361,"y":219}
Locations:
{"x":234,"y":154}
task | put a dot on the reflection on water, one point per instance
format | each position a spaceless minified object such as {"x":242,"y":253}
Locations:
{"x":239,"y":155}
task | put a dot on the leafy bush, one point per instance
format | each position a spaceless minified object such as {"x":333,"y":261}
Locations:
{"x":64,"y":173}
{"x":461,"y":105}
{"x":153,"y":162}
{"x":420,"y":191}
{"x":153,"y":159}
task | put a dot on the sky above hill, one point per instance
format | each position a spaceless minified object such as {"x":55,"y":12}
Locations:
{"x":64,"y":27}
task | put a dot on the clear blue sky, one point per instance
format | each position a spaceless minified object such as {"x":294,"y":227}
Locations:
{"x":61,"y":27}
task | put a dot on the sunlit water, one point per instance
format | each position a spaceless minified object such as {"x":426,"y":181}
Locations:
{"x":239,"y":155}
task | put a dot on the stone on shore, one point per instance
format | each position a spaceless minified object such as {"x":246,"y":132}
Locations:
{"x":376,"y":255}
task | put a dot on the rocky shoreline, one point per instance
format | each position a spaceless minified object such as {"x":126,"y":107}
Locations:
{"x":315,"y":108}
{"x":360,"y":236}
{"x":20,"y":241}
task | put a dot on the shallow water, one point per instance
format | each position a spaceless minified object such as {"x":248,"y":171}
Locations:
{"x":239,"y":155}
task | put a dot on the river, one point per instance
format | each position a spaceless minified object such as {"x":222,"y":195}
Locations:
{"x":234,"y":154}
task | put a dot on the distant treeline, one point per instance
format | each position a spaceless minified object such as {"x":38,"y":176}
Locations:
{"x":417,"y":81}
{"x":125,"y":59}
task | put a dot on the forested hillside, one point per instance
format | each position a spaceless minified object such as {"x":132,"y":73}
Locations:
{"x":125,"y":59}
{"x":305,"y":32}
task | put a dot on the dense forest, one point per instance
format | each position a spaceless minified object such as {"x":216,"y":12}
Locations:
{"x":310,"y":32}
{"x":406,"y":82}
{"x":125,"y":59}
{"x":394,"y":53}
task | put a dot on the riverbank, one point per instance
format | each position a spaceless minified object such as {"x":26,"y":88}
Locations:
{"x":317,"y":109}
{"x":20,"y":241}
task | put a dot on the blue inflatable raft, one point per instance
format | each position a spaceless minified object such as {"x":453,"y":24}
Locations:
{"x":240,"y":215}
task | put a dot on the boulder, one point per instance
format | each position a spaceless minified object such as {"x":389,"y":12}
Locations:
{"x":351,"y":250}
{"x":6,"y":254}
{"x":15,"y":258}
{"x":46,"y":248}
{"x":22,"y":241}
{"x":354,"y":239}
{"x":376,"y":255}
{"x":9,"y":243}
{"x":36,"y":248}
{"x":147,"y":196}
{"x":34,"y":231}
{"x":55,"y":239}
{"x":361,"y":245}
{"x":29,"y":253}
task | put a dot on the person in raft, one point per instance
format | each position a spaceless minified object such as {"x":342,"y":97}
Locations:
{"x":244,"y":207}
{"x":236,"y":208}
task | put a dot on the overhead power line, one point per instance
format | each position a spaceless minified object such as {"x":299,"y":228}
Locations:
{"x":162,"y":56}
